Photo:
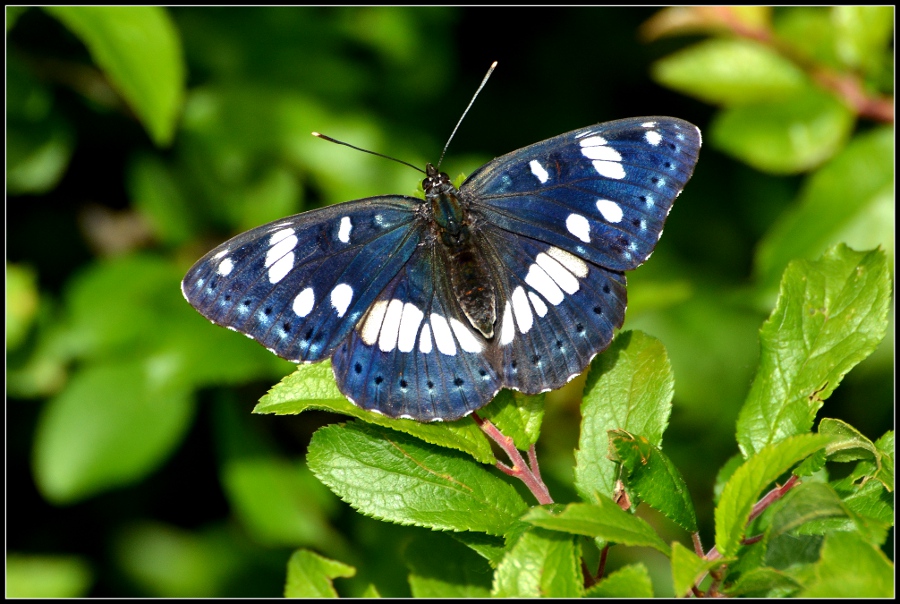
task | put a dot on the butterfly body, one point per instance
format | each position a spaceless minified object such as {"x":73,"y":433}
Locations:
{"x":427,"y":308}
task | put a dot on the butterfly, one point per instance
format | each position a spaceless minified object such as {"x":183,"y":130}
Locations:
{"x":428,"y":308}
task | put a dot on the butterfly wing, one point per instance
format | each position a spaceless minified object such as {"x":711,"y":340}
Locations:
{"x":566,"y":217}
{"x":602,"y":192}
{"x":294,"y":285}
{"x":415,"y":354}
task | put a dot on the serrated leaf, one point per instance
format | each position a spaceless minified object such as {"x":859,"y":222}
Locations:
{"x":763,"y":583}
{"x":398,"y":478}
{"x":786,"y":136}
{"x":540,"y":564}
{"x":747,"y":483}
{"x":816,"y":509}
{"x":829,"y":316}
{"x":112,"y":425}
{"x":441,"y":567}
{"x":688,"y":568}
{"x":313,"y":387}
{"x":632,"y":581}
{"x":654,"y":478}
{"x":849,"y":443}
{"x":139,"y":50}
{"x":730,"y":72}
{"x":603,"y":519}
{"x":310,"y":575}
{"x":850,"y":568}
{"x":629,"y":387}
{"x":849,"y":200}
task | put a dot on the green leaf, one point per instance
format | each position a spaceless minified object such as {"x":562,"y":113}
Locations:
{"x":730,"y":72}
{"x":829,"y":316}
{"x":863,"y":36}
{"x":540,"y":564}
{"x":489,"y":547}
{"x":850,"y":568}
{"x":313,"y":387}
{"x":157,"y":194}
{"x":395,"y":477}
{"x":785,"y":136}
{"x":654,"y":478}
{"x":629,"y":387}
{"x":849,"y":200}
{"x":604,"y":519}
{"x":632,"y":581}
{"x":763,"y":583}
{"x":29,"y":576}
{"x":112,"y":425}
{"x":139,"y":50}
{"x":849,"y":443}
{"x":164,"y":561}
{"x":816,"y":509}
{"x":688,"y":567}
{"x":310,"y":575}
{"x":517,"y":416}
{"x":747,"y":483}
{"x":441,"y":567}
{"x":21,"y":303}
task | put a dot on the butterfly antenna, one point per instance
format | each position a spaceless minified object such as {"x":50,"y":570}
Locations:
{"x":474,"y":96}
{"x":399,"y":161}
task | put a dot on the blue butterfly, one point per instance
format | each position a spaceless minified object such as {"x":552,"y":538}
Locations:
{"x":428,"y":307}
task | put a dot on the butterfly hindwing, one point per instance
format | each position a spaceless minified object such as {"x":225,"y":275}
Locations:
{"x":557,"y":312}
{"x":294,"y":284}
{"x":414,"y":354}
{"x":601,"y":192}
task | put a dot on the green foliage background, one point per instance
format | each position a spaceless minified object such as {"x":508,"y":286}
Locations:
{"x":139,"y":139}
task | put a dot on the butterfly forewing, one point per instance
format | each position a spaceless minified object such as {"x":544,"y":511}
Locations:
{"x":296,"y":285}
{"x":602,"y":192}
{"x":397,"y":300}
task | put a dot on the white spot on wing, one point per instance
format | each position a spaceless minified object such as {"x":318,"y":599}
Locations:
{"x":653,"y":137}
{"x":443,"y":337}
{"x":541,"y":281}
{"x":279,"y":235}
{"x":304,"y":301}
{"x":281,"y":268}
{"x":610,"y":210}
{"x":579,"y":226}
{"x":341,"y":296}
{"x":649,"y":124}
{"x":538,"y":170}
{"x":467,"y":339}
{"x":610,"y":169}
{"x":220,"y":254}
{"x":409,"y":327}
{"x":344,"y":230}
{"x":225,"y":267}
{"x":558,"y":273}
{"x":522,"y":310}
{"x":593,"y":141}
{"x":600,"y":152}
{"x":572,"y":262}
{"x":425,"y":339}
{"x":390,"y":327}
{"x":284,"y":245}
{"x":539,"y":307}
{"x":372,"y":324}
{"x":507,"y":330}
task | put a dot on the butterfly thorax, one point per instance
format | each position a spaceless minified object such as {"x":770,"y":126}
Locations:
{"x":470,"y":278}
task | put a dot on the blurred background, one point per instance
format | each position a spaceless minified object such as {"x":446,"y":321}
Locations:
{"x":138,"y":139}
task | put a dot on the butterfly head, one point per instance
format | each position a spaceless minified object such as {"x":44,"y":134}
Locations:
{"x":436,"y":183}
